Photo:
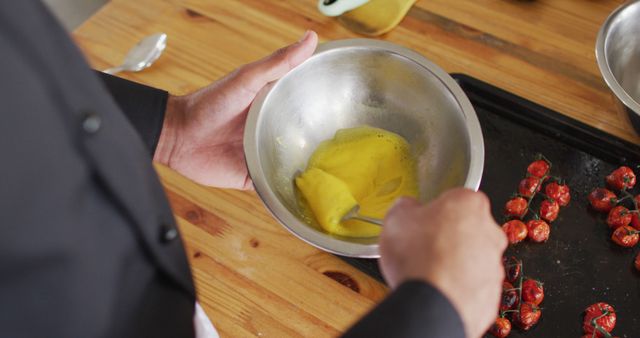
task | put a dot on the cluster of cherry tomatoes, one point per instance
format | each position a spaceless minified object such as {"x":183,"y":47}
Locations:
{"x":599,"y":321}
{"x":624,"y":222}
{"x":521,"y":298}
{"x":556,"y":195}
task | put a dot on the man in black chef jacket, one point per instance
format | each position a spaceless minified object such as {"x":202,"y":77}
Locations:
{"x":89,"y":246}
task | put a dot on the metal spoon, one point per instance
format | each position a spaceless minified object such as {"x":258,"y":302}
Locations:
{"x":142,"y":55}
{"x":353,"y":214}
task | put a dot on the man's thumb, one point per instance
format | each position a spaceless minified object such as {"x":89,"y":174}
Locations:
{"x":258,"y":74}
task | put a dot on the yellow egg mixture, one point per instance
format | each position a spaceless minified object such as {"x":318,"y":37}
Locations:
{"x":364,"y":165}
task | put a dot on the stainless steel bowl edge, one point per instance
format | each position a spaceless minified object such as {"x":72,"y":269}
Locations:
{"x":615,"y":22}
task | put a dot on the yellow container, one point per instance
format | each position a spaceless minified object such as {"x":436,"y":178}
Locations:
{"x":368,"y":17}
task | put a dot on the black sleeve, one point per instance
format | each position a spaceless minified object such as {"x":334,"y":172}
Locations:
{"x":143,"y":105}
{"x":414,"y":309}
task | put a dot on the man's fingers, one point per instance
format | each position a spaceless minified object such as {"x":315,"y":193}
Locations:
{"x":257,"y":74}
{"x":401,"y":206}
{"x":248,"y":184}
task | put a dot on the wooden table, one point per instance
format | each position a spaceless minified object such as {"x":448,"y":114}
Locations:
{"x":252,"y":276}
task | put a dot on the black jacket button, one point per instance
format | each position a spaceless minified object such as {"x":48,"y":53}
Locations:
{"x":168,"y":233}
{"x":91,"y":122}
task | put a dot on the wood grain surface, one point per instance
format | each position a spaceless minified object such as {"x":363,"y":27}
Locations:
{"x":252,"y":276}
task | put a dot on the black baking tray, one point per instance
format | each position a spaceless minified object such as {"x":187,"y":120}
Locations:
{"x":579,"y":265}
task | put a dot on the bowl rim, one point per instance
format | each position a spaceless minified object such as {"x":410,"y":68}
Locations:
{"x":302,"y":230}
{"x":603,"y":64}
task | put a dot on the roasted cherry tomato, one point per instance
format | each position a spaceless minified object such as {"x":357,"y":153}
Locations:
{"x":509,"y":297}
{"x":538,"y":230}
{"x":636,"y":263}
{"x":559,"y":192}
{"x":501,"y":328}
{"x":528,"y":316}
{"x":512,"y":268}
{"x":549,"y":210}
{"x":532,"y":291}
{"x":516,"y":207}
{"x":625,"y":236}
{"x":619,"y":216}
{"x":529,"y":186}
{"x":622,"y":178}
{"x":538,"y":168}
{"x":606,"y":318}
{"x":602,"y":199}
{"x":515,"y":230}
{"x":635,"y":221}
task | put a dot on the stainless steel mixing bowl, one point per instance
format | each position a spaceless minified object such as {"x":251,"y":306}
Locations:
{"x":618,"y":55}
{"x":350,"y":83}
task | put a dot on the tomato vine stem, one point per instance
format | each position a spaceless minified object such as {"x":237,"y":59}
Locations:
{"x":597,"y":327}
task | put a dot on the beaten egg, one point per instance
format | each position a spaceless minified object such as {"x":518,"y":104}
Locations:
{"x":367,"y":166}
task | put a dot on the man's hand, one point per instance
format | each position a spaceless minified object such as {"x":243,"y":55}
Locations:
{"x":454,"y":244}
{"x":203,"y":131}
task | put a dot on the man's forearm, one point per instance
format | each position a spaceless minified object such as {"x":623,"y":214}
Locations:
{"x":174,"y":118}
{"x":414,"y":309}
{"x":144,"y":106}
